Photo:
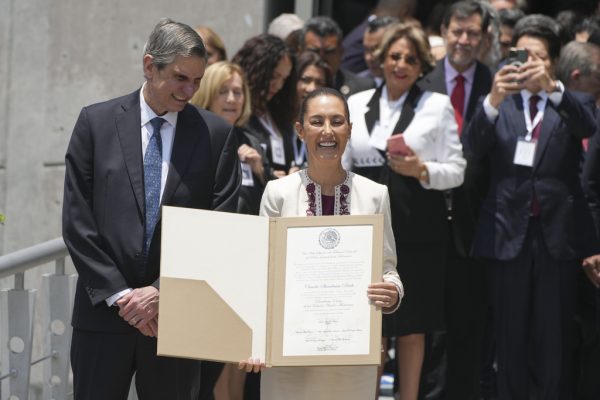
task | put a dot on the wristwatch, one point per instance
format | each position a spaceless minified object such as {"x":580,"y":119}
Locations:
{"x":556,"y":88}
{"x":424,"y":174}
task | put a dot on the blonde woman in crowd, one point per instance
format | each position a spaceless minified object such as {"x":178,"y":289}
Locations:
{"x":224,"y":91}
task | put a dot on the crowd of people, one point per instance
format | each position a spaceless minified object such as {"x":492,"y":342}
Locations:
{"x":474,"y":138}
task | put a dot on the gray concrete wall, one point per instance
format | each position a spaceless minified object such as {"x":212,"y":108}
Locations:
{"x":57,"y":56}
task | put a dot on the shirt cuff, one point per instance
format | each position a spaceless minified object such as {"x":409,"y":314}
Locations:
{"x":557,"y":95}
{"x":112,"y":299}
{"x":392,"y":276}
{"x":490,"y":111}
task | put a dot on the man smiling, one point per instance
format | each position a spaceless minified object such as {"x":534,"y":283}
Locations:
{"x":126,"y":158}
{"x":465,"y":80}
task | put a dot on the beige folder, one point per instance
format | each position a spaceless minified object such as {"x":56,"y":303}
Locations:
{"x":222,"y":287}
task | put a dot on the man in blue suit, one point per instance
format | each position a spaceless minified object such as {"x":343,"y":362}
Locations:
{"x":535,"y":226}
{"x":126,"y":157}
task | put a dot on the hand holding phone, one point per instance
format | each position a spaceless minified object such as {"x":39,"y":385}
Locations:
{"x":517,"y":56}
{"x":397,"y":146}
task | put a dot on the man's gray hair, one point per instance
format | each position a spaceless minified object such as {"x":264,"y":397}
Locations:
{"x":170,"y":39}
{"x":576,"y":55}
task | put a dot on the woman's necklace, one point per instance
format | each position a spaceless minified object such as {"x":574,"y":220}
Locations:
{"x":313,"y":190}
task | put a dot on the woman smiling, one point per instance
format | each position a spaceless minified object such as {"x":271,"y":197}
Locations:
{"x":326,"y":188}
{"x":427,"y":161}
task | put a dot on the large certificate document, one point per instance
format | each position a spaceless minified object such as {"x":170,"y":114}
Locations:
{"x":290,"y":291}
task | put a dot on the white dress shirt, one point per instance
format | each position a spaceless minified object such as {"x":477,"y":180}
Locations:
{"x":167,"y":134}
{"x":451,"y":75}
{"x":555,"y":97}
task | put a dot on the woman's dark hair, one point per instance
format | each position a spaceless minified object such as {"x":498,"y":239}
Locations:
{"x":294,"y":41}
{"x":324,"y":91}
{"x":308,"y":58}
{"x":541,"y":27}
{"x":259,"y":57}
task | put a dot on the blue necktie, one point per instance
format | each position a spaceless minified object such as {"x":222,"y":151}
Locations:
{"x":152,"y":179}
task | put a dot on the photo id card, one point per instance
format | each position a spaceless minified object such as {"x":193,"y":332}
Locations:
{"x":525,"y":152}
{"x":277,"y":151}
{"x":247,"y":177}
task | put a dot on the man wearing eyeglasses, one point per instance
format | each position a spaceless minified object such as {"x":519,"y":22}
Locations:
{"x":323,"y":36}
{"x":461,"y":76}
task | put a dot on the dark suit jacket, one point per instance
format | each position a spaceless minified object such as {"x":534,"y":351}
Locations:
{"x":354,"y":51}
{"x":466,"y":199}
{"x":591,"y":177}
{"x":564,"y":216}
{"x":250,"y":196}
{"x":104,"y":210}
{"x":349,"y":83}
{"x":435,"y":81}
{"x":256,"y":129}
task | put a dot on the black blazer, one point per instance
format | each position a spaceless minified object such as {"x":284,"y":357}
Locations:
{"x":250,"y":196}
{"x":349,"y":83}
{"x":256,"y":129}
{"x":564,"y":215}
{"x":591,"y":177}
{"x":466,"y":199}
{"x":104,"y":210}
{"x":435,"y":81}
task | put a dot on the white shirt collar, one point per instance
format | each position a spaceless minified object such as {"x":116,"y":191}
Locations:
{"x":526,"y":95}
{"x":147,"y":113}
{"x":452,"y":73}
{"x":392,"y":104}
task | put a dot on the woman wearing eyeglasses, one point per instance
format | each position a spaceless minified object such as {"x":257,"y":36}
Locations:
{"x":417,"y":172}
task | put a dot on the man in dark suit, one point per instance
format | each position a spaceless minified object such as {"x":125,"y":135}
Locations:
{"x":465,"y":80}
{"x":588,"y":297}
{"x":534,"y":227}
{"x":579,"y":69}
{"x":126,"y":157}
{"x":353,"y":43}
{"x":322,"y":35}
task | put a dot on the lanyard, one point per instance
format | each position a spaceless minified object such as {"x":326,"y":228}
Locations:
{"x":273,"y":132}
{"x":538,"y":118}
{"x":299,"y":153}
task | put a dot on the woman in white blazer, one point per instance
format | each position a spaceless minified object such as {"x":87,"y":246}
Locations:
{"x":326,"y":188}
{"x":416,"y":174}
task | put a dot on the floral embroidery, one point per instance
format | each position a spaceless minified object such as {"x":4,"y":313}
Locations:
{"x":313,"y":191}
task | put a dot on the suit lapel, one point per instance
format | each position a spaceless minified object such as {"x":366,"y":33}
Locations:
{"x":480,"y":81}
{"x":408,"y":109}
{"x":439,"y":78}
{"x":128,"y":124}
{"x":187,"y":132}
{"x":517,"y":116}
{"x":372,"y":114}
{"x":549,"y":123}
{"x":436,"y":79}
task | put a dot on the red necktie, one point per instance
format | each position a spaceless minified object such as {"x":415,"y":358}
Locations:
{"x":458,"y":100}
{"x":535,"y":134}
{"x":533,"y":110}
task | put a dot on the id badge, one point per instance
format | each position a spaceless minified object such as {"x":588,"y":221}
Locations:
{"x":525,"y":152}
{"x":247,"y":177}
{"x":379,"y":137}
{"x":278,"y":153}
